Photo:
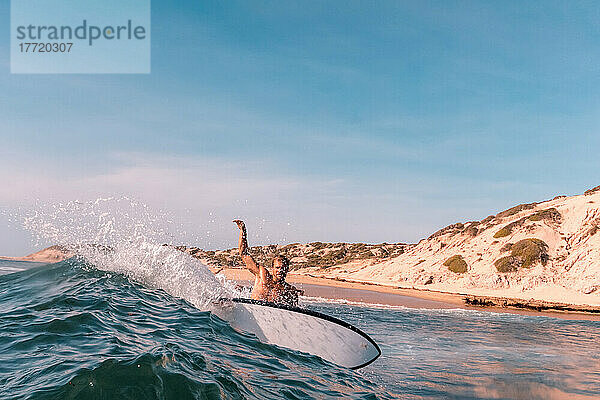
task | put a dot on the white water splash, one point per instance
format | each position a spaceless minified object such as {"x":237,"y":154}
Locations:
{"x":124,"y":236}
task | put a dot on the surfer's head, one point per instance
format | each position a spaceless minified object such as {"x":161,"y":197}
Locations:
{"x":281,"y":265}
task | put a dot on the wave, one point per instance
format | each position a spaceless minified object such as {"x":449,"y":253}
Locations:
{"x":125,"y":236}
{"x":71,"y":330}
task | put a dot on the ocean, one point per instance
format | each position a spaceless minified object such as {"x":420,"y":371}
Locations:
{"x":75,"y":330}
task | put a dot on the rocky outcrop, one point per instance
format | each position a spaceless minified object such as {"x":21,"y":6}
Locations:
{"x":535,"y":305}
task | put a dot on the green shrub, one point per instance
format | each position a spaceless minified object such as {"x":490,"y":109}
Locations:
{"x":529,"y":251}
{"x":456,"y":264}
{"x":506,"y":247}
{"x":506,"y":264}
{"x":454,"y":228}
{"x":516,"y":209}
{"x":472,"y":230}
{"x":502,"y":232}
{"x":549,"y":214}
{"x":523,"y":254}
{"x":487,"y":219}
{"x":507,"y":230}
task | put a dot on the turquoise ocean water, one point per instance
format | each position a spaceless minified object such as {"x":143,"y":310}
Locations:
{"x":73,"y":331}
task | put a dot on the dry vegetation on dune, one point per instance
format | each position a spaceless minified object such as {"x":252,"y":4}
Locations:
{"x":589,"y":192}
{"x":316,"y":255}
{"x":523,"y":254}
{"x":514,"y":210}
{"x":456,"y":264}
{"x":549,"y":215}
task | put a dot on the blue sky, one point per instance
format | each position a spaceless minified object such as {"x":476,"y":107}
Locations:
{"x":331,"y":121}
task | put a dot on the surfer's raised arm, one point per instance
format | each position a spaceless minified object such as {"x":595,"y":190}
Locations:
{"x":269,"y":285}
{"x":251,"y":264}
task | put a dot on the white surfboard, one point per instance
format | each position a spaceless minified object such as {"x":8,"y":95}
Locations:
{"x":302,"y":330}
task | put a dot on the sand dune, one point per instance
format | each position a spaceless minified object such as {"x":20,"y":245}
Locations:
{"x":546,"y":251}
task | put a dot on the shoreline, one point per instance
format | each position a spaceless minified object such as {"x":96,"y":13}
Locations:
{"x":375,"y":293}
{"x":371,"y":293}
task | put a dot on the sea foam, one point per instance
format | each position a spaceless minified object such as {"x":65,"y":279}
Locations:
{"x":125,"y":236}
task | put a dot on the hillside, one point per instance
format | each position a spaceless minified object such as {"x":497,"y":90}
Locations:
{"x":548,"y":250}
{"x":316,"y":255}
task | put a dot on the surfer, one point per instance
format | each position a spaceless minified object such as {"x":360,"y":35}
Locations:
{"x":268,"y":286}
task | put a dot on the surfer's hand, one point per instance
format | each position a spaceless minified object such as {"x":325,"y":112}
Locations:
{"x":239,"y":223}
